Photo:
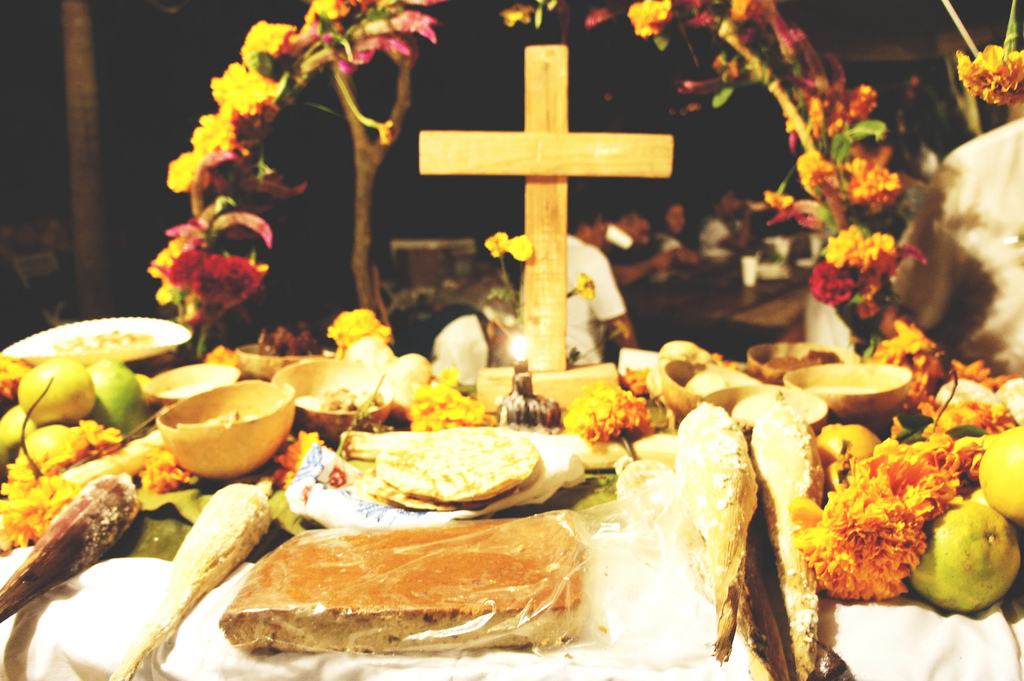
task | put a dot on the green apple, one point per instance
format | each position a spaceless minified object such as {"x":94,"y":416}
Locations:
{"x":10,"y":432}
{"x":69,"y":398}
{"x":119,"y":400}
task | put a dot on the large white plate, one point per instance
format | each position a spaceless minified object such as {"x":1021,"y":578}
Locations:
{"x":38,"y":348}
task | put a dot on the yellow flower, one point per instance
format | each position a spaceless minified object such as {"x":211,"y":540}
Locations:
{"x":291,"y":459}
{"x":517,"y":14}
{"x":649,"y":17}
{"x":815,"y":116}
{"x":861,"y":101}
{"x":28,"y":511}
{"x":243,"y":92}
{"x":585,"y":286}
{"x":875,"y":254}
{"x":993,"y":76}
{"x":386,"y":133}
{"x":269,"y":38}
{"x":216,"y":132}
{"x":181,"y":171}
{"x":814,"y":171}
{"x":449,"y":377}
{"x":11,"y":371}
{"x":332,"y":9}
{"x":439,"y":407}
{"x":604,"y":412}
{"x":497,"y":244}
{"x":222,"y":355}
{"x":160,"y":473}
{"x":745,"y":10}
{"x":350,"y":326}
{"x":778,"y":201}
{"x":520,"y":248}
{"x":872,"y":185}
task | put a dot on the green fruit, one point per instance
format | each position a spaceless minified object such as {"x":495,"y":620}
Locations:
{"x":47,"y":442}
{"x":971,"y":561}
{"x":10,"y":432}
{"x":119,"y":400}
{"x":68,"y":399}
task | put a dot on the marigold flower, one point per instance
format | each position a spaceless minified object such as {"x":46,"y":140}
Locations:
{"x":449,"y":377}
{"x":497,"y":244}
{"x":777,"y":201}
{"x":272,"y":39}
{"x":585,"y":286}
{"x":216,"y":132}
{"x":649,"y":16}
{"x":746,"y":10}
{"x":860,"y":102}
{"x":604,"y":412}
{"x":244,"y":92}
{"x":520,"y":248}
{"x":334,"y":10}
{"x":160,"y":473}
{"x":350,"y":326}
{"x":28,"y":510}
{"x":875,"y":253}
{"x":992,"y":418}
{"x":815,"y":116}
{"x":635,"y":381}
{"x":815,"y":171}
{"x":291,"y":459}
{"x":871,"y":533}
{"x":182,"y":170}
{"x":978,"y":372}
{"x":222,"y":355}
{"x":994,"y":76}
{"x":439,"y":407}
{"x":872,"y":185}
{"x":11,"y":371}
{"x":517,"y":14}
{"x":911,"y":348}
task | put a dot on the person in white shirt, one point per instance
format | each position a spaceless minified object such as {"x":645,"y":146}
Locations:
{"x":969,"y":296}
{"x":590,"y":323}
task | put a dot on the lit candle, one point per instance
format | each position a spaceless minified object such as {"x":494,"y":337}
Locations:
{"x":521,"y":409}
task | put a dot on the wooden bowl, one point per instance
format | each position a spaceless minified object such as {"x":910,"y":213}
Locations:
{"x":315,"y":379}
{"x":769,"y":362}
{"x":869,"y":394}
{"x":263,"y":367}
{"x":229,"y":431}
{"x":177,"y":384}
{"x":748,"y":403}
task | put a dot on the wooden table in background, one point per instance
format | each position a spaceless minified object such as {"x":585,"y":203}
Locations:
{"x":709,"y":305}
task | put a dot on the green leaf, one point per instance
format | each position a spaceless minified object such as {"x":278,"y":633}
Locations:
{"x":912,"y":428}
{"x":662,"y":41}
{"x":968,"y":430}
{"x":324,"y":107}
{"x":262,"y":63}
{"x":722,"y":96}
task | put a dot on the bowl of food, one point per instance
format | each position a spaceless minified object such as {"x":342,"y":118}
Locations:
{"x":228,"y":431}
{"x":329,"y":394}
{"x":869,"y":394}
{"x":769,"y":362}
{"x":255,"y":364}
{"x":177,"y":384}
{"x":748,"y":403}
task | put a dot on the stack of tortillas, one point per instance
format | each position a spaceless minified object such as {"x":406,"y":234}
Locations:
{"x":451,"y":470}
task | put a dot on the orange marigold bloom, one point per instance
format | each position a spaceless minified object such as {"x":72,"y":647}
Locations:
{"x":216,"y":132}
{"x":222,"y":355}
{"x":244,"y":92}
{"x":160,"y":473}
{"x":605,"y":412}
{"x":814,"y":171}
{"x":746,"y":10}
{"x":778,"y":201}
{"x":332,"y":9}
{"x":994,"y":76}
{"x":871,"y":533}
{"x":438,"y":407}
{"x":350,"y":326}
{"x":272,"y":39}
{"x":978,"y":372}
{"x":912,"y":349}
{"x":291,"y":459}
{"x":861,"y":101}
{"x":649,"y":16}
{"x":11,"y":371}
{"x":872,"y":185}
{"x":181,"y":171}
{"x":635,"y":381}
{"x":992,"y":418}
{"x":28,"y":511}
{"x":875,"y":253}
{"x":86,"y":440}
{"x":815,"y":116}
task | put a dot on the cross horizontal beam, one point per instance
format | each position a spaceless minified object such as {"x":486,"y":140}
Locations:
{"x":544,"y":154}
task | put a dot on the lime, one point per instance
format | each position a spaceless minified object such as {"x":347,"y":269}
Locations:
{"x":119,"y":400}
{"x":1001,"y":473}
{"x":63,"y":389}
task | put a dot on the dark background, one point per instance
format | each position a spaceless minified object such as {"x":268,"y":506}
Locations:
{"x":154,"y":70}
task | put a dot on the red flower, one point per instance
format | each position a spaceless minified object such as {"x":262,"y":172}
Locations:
{"x":215,"y":278}
{"x":831,"y":285}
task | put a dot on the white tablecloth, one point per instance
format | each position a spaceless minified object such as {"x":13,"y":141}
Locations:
{"x":653,"y":627}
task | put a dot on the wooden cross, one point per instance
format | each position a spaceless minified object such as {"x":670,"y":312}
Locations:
{"x":547,"y":154}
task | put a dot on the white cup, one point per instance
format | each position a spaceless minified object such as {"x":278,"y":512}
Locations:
{"x":816,"y":240}
{"x":618,"y":237}
{"x":748,"y":269}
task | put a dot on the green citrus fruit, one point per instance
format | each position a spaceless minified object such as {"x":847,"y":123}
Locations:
{"x":70,"y":396}
{"x":119,"y":400}
{"x":972,"y":559}
{"x":1001,"y":473}
{"x":46,"y":442}
{"x":10,"y":432}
